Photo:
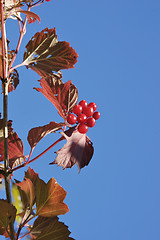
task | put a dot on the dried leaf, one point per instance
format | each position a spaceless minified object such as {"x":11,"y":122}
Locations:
{"x":49,"y":198}
{"x":7,"y":215}
{"x":37,"y":133}
{"x":11,"y":7}
{"x":78,"y":150}
{"x":62,"y":95}
{"x":45,"y":54}
{"x":49,"y":229}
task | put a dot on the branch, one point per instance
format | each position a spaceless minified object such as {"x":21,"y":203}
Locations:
{"x":5,"y":114}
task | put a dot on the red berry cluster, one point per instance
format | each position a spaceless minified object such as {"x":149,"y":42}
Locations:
{"x":86,"y":116}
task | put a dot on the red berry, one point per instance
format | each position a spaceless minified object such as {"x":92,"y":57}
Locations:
{"x":82,"y":128}
{"x":91,"y":122}
{"x":88,"y":111}
{"x":92,"y":104}
{"x":81,"y":118}
{"x":83,"y":103}
{"x":77,"y":109}
{"x":71,"y":118}
{"x":96,"y":115}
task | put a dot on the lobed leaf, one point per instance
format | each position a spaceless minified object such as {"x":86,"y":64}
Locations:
{"x":78,"y":150}
{"x":62,"y":95}
{"x":45,"y":54}
{"x":49,"y":198}
{"x":49,"y":229}
{"x":37,"y":133}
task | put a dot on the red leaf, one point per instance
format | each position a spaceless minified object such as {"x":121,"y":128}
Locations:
{"x":78,"y":150}
{"x":62,"y":95}
{"x":45,"y":54}
{"x":37,"y":133}
{"x":15,"y":150}
{"x":14,"y":80}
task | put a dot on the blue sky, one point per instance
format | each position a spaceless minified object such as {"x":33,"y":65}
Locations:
{"x":117,"y":196}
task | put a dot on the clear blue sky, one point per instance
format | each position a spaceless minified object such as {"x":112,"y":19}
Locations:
{"x":117,"y":197}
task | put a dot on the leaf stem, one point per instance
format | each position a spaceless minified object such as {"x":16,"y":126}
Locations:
{"x":22,"y":33}
{"x":38,"y":156}
{"x":5,"y":114}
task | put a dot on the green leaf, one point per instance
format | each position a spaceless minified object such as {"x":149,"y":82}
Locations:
{"x":7,"y":215}
{"x":45,"y":54}
{"x":49,"y":198}
{"x":17,"y":201}
{"x":50,"y":229}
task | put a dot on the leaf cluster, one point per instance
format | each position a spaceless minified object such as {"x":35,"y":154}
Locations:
{"x":36,"y":204}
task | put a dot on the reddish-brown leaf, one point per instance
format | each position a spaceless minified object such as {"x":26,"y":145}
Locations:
{"x":28,"y":187}
{"x":7,"y":214}
{"x":49,"y":198}
{"x":78,"y":150}
{"x":31,"y":175}
{"x":14,"y":80}
{"x":49,"y":229}
{"x":45,"y":54}
{"x":15,"y":150}
{"x":37,"y":133}
{"x":62,"y":95}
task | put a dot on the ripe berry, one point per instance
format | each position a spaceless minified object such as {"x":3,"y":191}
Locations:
{"x":92,"y":104}
{"x":71,"y":118}
{"x":81,"y":118}
{"x":91,"y":122}
{"x":83,"y":103}
{"x":96,"y":115}
{"x":77,"y":109}
{"x":82,"y":128}
{"x":88,"y":111}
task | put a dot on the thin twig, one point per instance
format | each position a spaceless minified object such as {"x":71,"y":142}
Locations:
{"x":22,"y":33}
{"x":32,"y":160}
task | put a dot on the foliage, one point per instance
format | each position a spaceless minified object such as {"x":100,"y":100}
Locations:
{"x":37,"y":204}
